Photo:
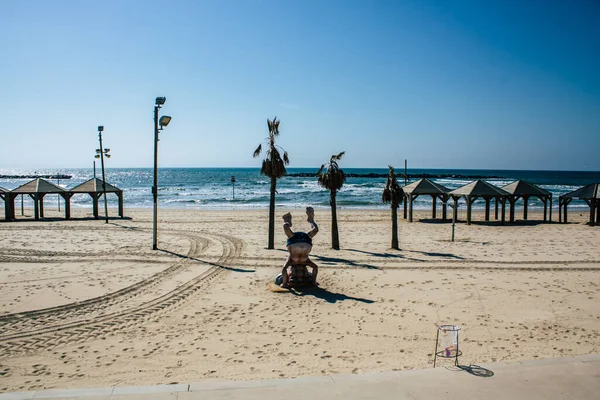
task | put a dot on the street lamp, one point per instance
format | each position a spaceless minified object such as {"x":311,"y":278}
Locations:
{"x":100,"y":153}
{"x":162,"y":122}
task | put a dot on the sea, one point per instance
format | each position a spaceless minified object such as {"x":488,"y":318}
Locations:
{"x":212,"y":188}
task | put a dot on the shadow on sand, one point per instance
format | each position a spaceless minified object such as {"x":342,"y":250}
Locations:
{"x":206,"y":262}
{"x":388,"y":255}
{"x":328,"y":296}
{"x":30,"y":218}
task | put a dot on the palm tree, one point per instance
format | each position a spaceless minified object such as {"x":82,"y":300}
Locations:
{"x":273,"y":166}
{"x":331,"y":177}
{"x":393,"y":194}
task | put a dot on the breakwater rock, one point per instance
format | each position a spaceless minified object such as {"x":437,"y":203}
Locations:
{"x":59,"y":176}
{"x":409,"y":176}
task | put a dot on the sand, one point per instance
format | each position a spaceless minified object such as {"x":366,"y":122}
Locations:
{"x":87,"y":304}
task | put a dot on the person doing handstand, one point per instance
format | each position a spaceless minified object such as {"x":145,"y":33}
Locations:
{"x":299,"y":245}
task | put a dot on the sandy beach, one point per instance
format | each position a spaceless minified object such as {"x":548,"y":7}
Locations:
{"x":86,"y":304}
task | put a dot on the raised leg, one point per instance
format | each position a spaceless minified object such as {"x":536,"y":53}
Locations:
{"x":310,"y":213}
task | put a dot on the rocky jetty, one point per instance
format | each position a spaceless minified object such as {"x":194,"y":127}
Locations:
{"x":58,"y":176}
{"x":409,"y":176}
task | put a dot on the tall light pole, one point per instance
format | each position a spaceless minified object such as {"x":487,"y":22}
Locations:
{"x":162,"y":122}
{"x":100,"y":153}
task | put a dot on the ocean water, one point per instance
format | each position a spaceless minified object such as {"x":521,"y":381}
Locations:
{"x":211,"y":188}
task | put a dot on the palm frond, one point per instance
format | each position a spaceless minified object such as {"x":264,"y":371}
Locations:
{"x":339,"y":156}
{"x":286,"y":159}
{"x":257,"y":151}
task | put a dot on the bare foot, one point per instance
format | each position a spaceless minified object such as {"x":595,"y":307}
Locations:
{"x":287,"y":218}
{"x":310,"y":212}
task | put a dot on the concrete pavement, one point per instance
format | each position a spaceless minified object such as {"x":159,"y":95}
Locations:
{"x":550,"y":379}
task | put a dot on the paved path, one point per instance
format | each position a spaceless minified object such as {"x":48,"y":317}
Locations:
{"x":550,"y":379}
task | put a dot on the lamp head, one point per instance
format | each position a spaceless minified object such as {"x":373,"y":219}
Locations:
{"x":164,"y":121}
{"x":106,"y":150}
{"x":107,"y":155}
{"x":100,"y":128}
{"x":160,"y":101}
{"x":97,"y":156}
{"x":98,"y":151}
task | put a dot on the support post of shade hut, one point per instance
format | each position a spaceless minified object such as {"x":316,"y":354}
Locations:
{"x":545,"y":200}
{"x":455,"y":209}
{"x":525,"y":205}
{"x":67,"y":198}
{"x":503,"y":210}
{"x":487,"y":208}
{"x":404,"y":206}
{"x":511,"y":212}
{"x":410,"y":208}
{"x":496,"y":208}
{"x":469,"y":203}
{"x":444,"y":207}
{"x":41,"y":200}
{"x":433,"y":206}
{"x":559,"y":210}
{"x":95,"y":204}
{"x":120,"y":197}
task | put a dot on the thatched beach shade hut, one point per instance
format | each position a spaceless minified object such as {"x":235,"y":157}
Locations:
{"x":474,"y":190}
{"x":37,"y":189}
{"x":427,"y":188}
{"x":590,"y":194}
{"x":525,"y":190}
{"x":4,"y":195}
{"x":93,"y":187}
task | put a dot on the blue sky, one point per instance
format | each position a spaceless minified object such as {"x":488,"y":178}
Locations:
{"x":445,"y":84}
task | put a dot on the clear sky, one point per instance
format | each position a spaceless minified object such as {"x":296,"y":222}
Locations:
{"x":502,"y":84}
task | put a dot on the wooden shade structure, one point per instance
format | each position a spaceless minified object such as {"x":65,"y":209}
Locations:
{"x":427,"y":188}
{"x":94,"y":188}
{"x":4,"y":193}
{"x":590,"y":194}
{"x":474,"y":190}
{"x":37,"y":189}
{"x":523,"y":189}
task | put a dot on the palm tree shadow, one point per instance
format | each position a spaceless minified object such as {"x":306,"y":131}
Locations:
{"x":387,"y":255}
{"x":328,"y":296}
{"x":206,"y":262}
{"x":334,"y":260}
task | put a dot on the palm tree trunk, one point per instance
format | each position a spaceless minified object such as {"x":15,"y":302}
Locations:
{"x":395,"y":228}
{"x":272,"y":214}
{"x":335,"y":240}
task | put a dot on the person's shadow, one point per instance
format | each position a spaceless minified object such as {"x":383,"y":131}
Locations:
{"x":328,"y":296}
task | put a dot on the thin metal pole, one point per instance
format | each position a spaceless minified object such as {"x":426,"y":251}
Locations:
{"x":437,"y":337}
{"x":453,"y":223}
{"x":155,"y":185}
{"x":22,"y":213}
{"x":58,"y":195}
{"x":94,"y":169}
{"x":405,"y":177}
{"x":103,"y":177}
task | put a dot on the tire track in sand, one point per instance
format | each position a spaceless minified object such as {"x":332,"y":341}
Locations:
{"x":31,"y":320}
{"x":112,"y":323}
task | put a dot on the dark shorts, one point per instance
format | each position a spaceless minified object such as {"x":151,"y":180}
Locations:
{"x":299,"y":237}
